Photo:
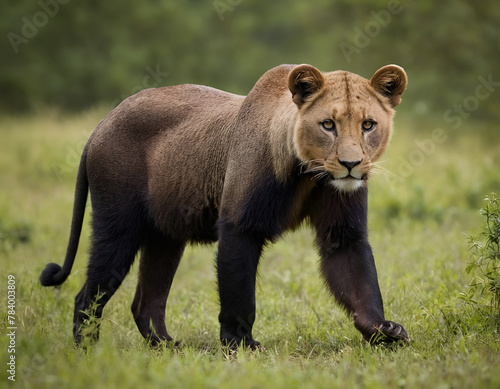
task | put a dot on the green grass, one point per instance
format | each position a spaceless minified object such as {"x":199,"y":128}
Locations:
{"x":419,"y":227}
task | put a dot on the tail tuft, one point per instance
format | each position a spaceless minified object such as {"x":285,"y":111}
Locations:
{"x":53,"y":275}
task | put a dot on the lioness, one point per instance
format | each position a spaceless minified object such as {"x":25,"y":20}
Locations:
{"x":190,"y":163}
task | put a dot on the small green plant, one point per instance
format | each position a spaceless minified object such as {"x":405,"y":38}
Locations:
{"x":484,"y":288}
{"x":90,"y":327}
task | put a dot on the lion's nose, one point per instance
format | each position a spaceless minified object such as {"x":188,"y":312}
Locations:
{"x":349,"y":164}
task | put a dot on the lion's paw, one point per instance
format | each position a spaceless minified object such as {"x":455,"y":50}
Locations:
{"x":389,"y":332}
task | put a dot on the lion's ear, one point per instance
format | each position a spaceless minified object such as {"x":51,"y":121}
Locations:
{"x":390,"y":81}
{"x":304,"y":81}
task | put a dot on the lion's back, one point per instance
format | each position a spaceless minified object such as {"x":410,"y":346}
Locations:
{"x":168,"y":147}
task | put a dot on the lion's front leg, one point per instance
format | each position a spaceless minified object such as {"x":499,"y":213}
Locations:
{"x":237,"y":260}
{"x":351,"y":275}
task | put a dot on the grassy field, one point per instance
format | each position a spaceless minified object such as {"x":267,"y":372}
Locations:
{"x":423,"y":205}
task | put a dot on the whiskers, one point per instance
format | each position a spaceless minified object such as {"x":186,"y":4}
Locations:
{"x":322,"y":175}
{"x":310,"y":166}
{"x":315,"y":168}
{"x":317,"y":171}
{"x":376,"y":169}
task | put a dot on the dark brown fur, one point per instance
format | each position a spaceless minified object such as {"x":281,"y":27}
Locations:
{"x":190,"y":163}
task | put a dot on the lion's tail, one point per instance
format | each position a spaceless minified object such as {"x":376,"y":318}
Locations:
{"x":53,"y":274}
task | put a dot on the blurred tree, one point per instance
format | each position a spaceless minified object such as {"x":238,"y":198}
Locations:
{"x":77,"y":54}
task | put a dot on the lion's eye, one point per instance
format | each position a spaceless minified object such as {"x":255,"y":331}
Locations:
{"x":328,"y":125}
{"x":368,"y":125}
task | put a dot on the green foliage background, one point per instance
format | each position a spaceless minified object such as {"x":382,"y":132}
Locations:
{"x":97,"y":52}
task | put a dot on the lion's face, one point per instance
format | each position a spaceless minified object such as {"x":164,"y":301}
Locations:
{"x":345,"y":121}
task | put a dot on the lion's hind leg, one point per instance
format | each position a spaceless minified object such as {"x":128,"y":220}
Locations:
{"x":116,"y":238}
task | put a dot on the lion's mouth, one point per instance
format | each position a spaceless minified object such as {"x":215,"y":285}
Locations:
{"x":348,"y":183}
{"x":349,"y":176}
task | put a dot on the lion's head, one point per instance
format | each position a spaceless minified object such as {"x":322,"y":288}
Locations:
{"x":345,"y":121}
